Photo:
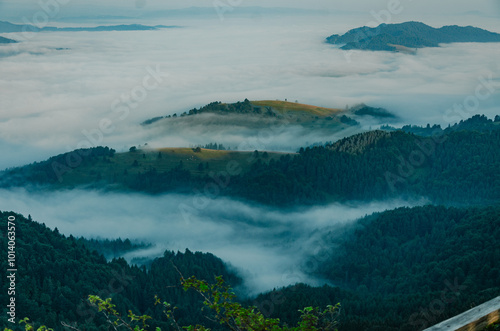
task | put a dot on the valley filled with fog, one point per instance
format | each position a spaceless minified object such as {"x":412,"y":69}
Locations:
{"x":268,"y":247}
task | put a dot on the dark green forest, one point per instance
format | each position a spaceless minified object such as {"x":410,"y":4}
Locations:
{"x":455,"y":168}
{"x":403,"y":269}
{"x":57,"y":273}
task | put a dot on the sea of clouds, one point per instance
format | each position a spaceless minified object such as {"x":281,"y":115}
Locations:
{"x":65,"y":90}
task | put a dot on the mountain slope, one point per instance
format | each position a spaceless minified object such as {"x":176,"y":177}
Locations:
{"x":102,"y":167}
{"x":282,"y":111}
{"x":393,"y":266}
{"x":457,"y":167}
{"x":388,"y":37}
{"x":56,"y":274}
{"x":403,"y":269}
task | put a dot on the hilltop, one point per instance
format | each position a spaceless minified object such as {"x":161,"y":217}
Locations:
{"x":281,"y":110}
{"x":408,"y":36}
{"x":286,"y":107}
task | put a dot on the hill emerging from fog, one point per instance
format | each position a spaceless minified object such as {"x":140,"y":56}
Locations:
{"x":279,"y":110}
{"x":261,"y":114}
{"x":408,"y":36}
{"x":10,"y":27}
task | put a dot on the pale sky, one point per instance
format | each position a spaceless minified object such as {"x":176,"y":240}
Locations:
{"x":10,"y":9}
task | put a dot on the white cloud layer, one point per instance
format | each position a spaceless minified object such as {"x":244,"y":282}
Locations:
{"x":56,"y":85}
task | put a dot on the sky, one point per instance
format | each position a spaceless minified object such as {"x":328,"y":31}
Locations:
{"x":128,"y":7}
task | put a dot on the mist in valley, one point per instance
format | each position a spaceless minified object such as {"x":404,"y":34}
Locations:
{"x":268,"y":247}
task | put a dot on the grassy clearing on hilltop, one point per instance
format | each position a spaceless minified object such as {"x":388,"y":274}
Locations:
{"x":286,"y":107}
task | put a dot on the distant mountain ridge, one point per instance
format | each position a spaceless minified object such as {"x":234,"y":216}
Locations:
{"x":409,"y":35}
{"x":7,"y":41}
{"x":6,"y":27}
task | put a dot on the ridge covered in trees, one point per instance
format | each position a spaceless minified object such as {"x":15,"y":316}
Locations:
{"x":403,"y":269}
{"x":57,"y":273}
{"x":455,"y":166}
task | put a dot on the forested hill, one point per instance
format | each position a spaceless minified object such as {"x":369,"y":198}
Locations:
{"x":404,"y":269}
{"x":57,"y":273}
{"x":451,"y":167}
{"x":284,"y":111}
{"x":479,"y":123}
{"x":218,"y":107}
{"x":435,"y":242}
{"x":456,"y":168}
{"x":388,"y":37}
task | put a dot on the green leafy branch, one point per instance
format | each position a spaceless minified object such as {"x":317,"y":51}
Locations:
{"x":220,"y":299}
{"x":113,"y":316}
{"x":30,"y":327}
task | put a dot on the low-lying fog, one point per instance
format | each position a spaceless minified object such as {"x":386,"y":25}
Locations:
{"x":267,"y":247}
{"x":244,"y":132}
